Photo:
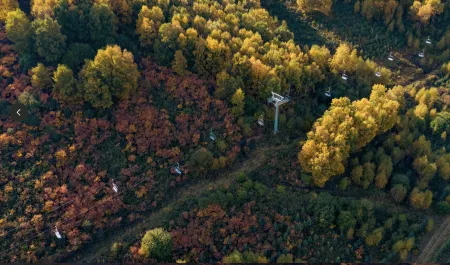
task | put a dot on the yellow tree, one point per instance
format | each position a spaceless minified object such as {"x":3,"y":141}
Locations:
{"x":7,"y":6}
{"x":43,"y":8}
{"x":421,"y":199}
{"x":345,"y":128}
{"x":327,"y":147}
{"x":424,"y":10}
{"x":323,"y":6}
{"x":112,"y":73}
{"x":320,"y":55}
{"x":41,"y":77}
{"x":238,"y":101}
{"x":148,"y":23}
{"x":403,"y":247}
{"x":345,"y":59}
{"x":64,"y":83}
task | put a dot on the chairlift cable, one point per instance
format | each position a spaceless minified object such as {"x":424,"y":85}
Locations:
{"x":79,"y":214}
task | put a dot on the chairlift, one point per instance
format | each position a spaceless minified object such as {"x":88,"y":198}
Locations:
{"x":391,"y":57}
{"x":428,"y":41}
{"x":114,"y":187}
{"x":261,"y":120}
{"x":177,"y":169}
{"x":344,"y":76}
{"x":378,"y":74}
{"x":328,"y":92}
{"x":57,"y":234}
{"x":422,"y":54}
{"x":212,"y":136}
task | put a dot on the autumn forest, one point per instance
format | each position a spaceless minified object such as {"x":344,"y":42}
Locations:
{"x":232,"y":131}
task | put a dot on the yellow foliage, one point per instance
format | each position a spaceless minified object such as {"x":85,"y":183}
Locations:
{"x":345,"y":59}
{"x":421,"y":200}
{"x":43,"y":8}
{"x":424,"y":10}
{"x":148,"y":23}
{"x":6,"y":6}
{"x":345,"y":127}
{"x":323,"y":6}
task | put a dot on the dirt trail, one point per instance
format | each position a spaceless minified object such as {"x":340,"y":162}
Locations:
{"x":91,"y":253}
{"x":439,"y":238}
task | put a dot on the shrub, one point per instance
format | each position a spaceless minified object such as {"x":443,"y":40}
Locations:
{"x":157,"y":244}
{"x":201,"y":161}
{"x":28,"y":99}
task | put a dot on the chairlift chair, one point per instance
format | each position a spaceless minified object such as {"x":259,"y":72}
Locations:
{"x":344,"y":76}
{"x":177,"y":169}
{"x":378,"y":74}
{"x":261,"y":120}
{"x":328,"y":92}
{"x":57,"y":234}
{"x":114,"y":187}
{"x":422,"y":54}
{"x":212,"y":136}
{"x":391,"y":57}
{"x":428,"y":41}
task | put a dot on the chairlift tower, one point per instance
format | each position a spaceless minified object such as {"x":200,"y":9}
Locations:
{"x":277,"y":100}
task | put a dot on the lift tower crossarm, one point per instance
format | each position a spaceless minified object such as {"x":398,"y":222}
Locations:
{"x":277,"y":100}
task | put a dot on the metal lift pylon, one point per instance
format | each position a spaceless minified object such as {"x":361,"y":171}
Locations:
{"x":277,"y":100}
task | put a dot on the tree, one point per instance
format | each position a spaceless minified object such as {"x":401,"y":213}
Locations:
{"x":421,"y":199}
{"x":102,"y":25}
{"x":41,"y":77}
{"x":200,"y":161}
{"x":226,"y":85}
{"x":234,"y":257}
{"x":76,"y":54}
{"x":403,"y":247}
{"x":323,"y":6}
{"x":384,"y":171}
{"x":28,"y":99}
{"x":344,"y":59}
{"x":285,"y":258}
{"x":148,"y":23}
{"x":357,"y":173}
{"x":123,"y":9}
{"x":157,"y":243}
{"x":368,"y":9}
{"x":345,"y":220}
{"x":7,"y":6}
{"x":424,"y":10}
{"x":238,"y":102}
{"x":401,"y":179}
{"x":443,"y":164}
{"x":43,"y":8}
{"x":50,"y":42}
{"x":374,"y":238}
{"x":345,"y":127}
{"x":425,"y":169}
{"x":18,"y":30}
{"x":441,"y":122}
{"x":246,"y":257}
{"x":179,"y":63}
{"x":112,"y":73}
{"x":320,"y":55}
{"x":369,"y":174}
{"x":398,"y":193}
{"x":64,"y":83}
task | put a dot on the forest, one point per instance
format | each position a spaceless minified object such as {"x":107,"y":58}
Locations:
{"x":152,"y":132}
